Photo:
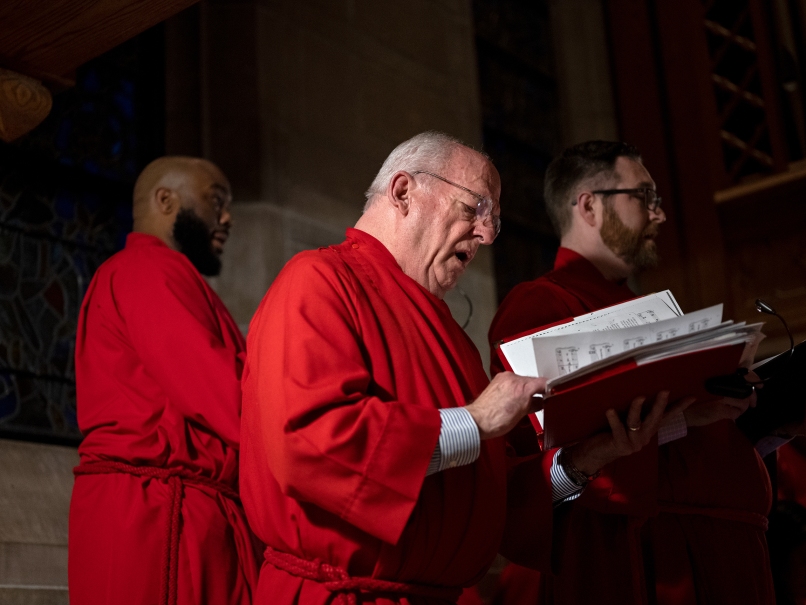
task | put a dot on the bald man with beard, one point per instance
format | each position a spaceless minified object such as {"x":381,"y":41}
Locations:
{"x":155,"y":515}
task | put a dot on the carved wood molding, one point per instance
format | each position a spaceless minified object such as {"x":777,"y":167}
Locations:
{"x":24,"y":103}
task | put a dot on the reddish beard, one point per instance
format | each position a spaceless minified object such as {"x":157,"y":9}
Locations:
{"x":631,"y":246}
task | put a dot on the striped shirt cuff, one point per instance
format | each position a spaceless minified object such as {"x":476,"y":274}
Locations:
{"x":562,"y":488}
{"x":673,"y":427}
{"x":459,"y":441}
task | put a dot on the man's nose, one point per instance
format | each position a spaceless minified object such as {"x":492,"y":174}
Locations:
{"x":486,"y":229}
{"x":657,"y":215}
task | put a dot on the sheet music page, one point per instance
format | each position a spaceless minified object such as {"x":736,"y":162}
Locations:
{"x":667,"y":297}
{"x":559,"y":355}
{"x":705,"y":339}
{"x":640,"y":311}
{"x":750,"y":335}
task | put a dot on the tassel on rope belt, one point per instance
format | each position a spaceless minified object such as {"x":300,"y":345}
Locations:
{"x":729,"y":514}
{"x":176,"y":478}
{"x":346,"y":589}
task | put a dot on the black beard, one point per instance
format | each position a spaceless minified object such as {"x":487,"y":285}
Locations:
{"x":194,"y":241}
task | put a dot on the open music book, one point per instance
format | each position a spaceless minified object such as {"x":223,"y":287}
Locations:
{"x":601,"y":355}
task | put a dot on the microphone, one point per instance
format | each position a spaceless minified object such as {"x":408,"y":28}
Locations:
{"x":735,"y":385}
{"x":763,"y":307}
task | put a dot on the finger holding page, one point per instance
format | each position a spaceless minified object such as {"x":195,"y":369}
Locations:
{"x":506,"y":400}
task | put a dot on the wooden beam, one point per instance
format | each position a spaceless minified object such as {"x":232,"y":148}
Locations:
{"x":695,"y":145}
{"x":770,"y":84}
{"x":47,"y":39}
{"x":767,"y":187}
{"x":643,"y":121}
{"x":24,"y":103}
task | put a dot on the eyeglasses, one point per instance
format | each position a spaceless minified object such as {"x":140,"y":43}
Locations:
{"x":484,"y":207}
{"x":648,"y":196}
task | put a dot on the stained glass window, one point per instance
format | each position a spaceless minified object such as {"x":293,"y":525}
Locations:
{"x":520,"y":119}
{"x":65,"y":192}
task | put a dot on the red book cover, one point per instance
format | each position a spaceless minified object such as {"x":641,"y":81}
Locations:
{"x":576,"y":410}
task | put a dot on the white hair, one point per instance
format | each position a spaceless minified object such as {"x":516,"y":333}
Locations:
{"x":429,"y":151}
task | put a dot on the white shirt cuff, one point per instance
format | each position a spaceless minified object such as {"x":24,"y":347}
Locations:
{"x":460,"y":444}
{"x":673,"y":427}
{"x":459,"y":441}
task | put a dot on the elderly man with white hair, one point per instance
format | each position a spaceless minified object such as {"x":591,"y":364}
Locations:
{"x":373,"y":462}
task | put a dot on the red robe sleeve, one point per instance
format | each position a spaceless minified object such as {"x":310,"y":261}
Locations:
{"x":528,"y":306}
{"x":530,"y":507}
{"x":169,"y":317}
{"x":330,"y":436}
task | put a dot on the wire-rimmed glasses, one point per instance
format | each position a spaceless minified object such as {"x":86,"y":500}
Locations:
{"x":484,"y":207}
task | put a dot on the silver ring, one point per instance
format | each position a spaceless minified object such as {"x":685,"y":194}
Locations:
{"x":635,"y":428}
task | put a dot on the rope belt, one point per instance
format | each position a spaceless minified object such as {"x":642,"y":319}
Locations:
{"x":346,"y":589}
{"x":729,"y":514}
{"x":176,"y":478}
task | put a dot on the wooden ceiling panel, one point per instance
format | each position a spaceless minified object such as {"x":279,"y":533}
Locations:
{"x":49,"y":39}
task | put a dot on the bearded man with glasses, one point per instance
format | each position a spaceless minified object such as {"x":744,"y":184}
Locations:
{"x":374,"y":464}
{"x":683,"y":520}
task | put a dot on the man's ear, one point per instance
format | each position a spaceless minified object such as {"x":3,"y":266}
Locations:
{"x":399,"y":191}
{"x":585,"y":206}
{"x":165,"y":200}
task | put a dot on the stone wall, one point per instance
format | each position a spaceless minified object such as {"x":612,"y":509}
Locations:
{"x":302,"y":102}
{"x":35,"y":486}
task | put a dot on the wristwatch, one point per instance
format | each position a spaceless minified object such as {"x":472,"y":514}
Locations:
{"x":576,"y":475}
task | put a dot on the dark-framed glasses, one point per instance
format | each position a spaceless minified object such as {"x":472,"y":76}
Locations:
{"x":484,"y":206}
{"x":647,"y":195}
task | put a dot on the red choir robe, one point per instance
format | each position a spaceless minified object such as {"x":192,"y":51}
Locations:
{"x":158,"y":367}
{"x":682,"y":523}
{"x":791,"y":472}
{"x":349,"y":361}
{"x":517,"y":586}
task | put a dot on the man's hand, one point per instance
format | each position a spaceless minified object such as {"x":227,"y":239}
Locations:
{"x":708,"y":412}
{"x":591,"y":455}
{"x":506,"y":400}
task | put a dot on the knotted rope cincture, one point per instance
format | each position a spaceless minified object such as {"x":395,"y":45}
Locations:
{"x":346,"y":589}
{"x":176,"y":478}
